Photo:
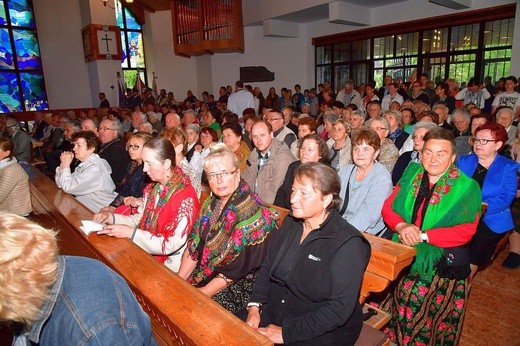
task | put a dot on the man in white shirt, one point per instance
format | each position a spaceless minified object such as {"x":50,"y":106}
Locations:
{"x":392,"y":96}
{"x":510,"y":98}
{"x":348,"y":95}
{"x":240,"y":99}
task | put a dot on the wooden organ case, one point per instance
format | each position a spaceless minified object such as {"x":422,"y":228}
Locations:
{"x":207,"y":26}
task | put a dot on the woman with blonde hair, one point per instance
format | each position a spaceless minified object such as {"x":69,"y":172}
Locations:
{"x":62,"y":300}
{"x":229,"y":241}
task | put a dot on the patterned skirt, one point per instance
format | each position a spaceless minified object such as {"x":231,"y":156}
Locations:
{"x":426,"y":312}
{"x":236,"y":296}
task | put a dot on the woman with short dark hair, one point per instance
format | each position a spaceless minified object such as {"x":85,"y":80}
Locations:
{"x":365,"y":185}
{"x":307,"y":289}
{"x":90,"y":182}
{"x":311,"y":148}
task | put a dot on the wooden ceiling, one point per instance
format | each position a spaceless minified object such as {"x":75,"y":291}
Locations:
{"x":153,"y":5}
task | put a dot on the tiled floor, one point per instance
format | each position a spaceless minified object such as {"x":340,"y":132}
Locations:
{"x":493,"y":310}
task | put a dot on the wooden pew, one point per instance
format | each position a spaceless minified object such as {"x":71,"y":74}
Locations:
{"x":180,"y":314}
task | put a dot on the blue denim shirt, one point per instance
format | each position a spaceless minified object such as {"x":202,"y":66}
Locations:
{"x":89,"y":304}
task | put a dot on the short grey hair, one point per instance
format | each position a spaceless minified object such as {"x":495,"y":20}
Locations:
{"x":506,"y":110}
{"x":428,"y":125}
{"x":193,"y":127}
{"x":463,"y":112}
{"x":380,"y":119}
{"x":116,"y":125}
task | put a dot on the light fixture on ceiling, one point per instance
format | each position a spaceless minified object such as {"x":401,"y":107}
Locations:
{"x":129,"y":1}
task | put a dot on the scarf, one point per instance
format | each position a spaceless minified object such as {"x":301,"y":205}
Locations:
{"x":171,"y":203}
{"x":217,"y":240}
{"x":451,"y":201}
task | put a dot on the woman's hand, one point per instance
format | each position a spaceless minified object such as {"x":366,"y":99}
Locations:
{"x":118,"y":231}
{"x":66,"y":158}
{"x":409,"y":234}
{"x":274,"y":333}
{"x":198,"y":148}
{"x":103,"y":217}
{"x":107,"y":209}
{"x":253,"y":317}
{"x":133,"y":201}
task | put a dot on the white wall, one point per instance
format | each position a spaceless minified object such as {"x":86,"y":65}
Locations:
{"x":286,"y":57}
{"x":173,"y":73}
{"x":59,"y":33}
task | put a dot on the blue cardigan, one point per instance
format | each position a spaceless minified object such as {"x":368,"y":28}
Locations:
{"x":498,"y":190}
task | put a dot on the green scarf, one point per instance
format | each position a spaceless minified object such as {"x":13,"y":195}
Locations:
{"x":456,"y":199}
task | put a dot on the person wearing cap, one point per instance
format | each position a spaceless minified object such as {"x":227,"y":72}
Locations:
{"x":348,"y":95}
{"x":21,"y":140}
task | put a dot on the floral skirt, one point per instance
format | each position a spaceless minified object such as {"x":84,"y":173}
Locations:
{"x":426,"y":312}
{"x":236,"y":296}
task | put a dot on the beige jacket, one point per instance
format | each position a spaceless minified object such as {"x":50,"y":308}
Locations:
{"x":15,"y":196}
{"x":266,"y":182}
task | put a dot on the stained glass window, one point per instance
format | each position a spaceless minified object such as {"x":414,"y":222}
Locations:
{"x":22,"y":86}
{"x":132,"y":41}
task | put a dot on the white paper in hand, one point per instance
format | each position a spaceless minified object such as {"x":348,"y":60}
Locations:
{"x":89,"y":226}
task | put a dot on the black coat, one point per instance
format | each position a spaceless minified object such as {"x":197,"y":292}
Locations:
{"x":317,"y":301}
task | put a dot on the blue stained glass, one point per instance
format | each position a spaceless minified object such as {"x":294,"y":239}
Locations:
{"x":131,"y":23}
{"x":124,"y":61}
{"x":3,"y":17}
{"x":135,"y":47}
{"x":119,"y":14}
{"x":9,"y":93}
{"x":33,"y":89}
{"x":21,"y":13}
{"x":27,"y":49}
{"x":6,"y":53}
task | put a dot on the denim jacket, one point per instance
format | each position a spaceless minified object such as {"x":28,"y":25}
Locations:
{"x":89,"y":304}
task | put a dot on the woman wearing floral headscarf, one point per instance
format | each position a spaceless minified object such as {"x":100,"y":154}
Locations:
{"x":228,"y":242}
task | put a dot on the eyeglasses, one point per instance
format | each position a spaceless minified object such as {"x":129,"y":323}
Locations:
{"x":79,"y":144}
{"x":380,"y":128}
{"x":223,"y":174}
{"x":274,"y":119}
{"x":133,"y":146}
{"x":106,"y":129}
{"x":483,"y":141}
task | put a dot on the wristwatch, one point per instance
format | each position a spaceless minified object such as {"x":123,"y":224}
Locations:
{"x":424,"y":237}
{"x":255,"y":304}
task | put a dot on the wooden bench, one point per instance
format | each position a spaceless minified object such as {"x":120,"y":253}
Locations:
{"x":180,"y":314}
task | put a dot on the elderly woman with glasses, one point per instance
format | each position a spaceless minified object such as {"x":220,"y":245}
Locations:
{"x":388,"y":152}
{"x":167,"y":212}
{"x":90,"y":182}
{"x":136,"y":180}
{"x":497,"y":177}
{"x":229,"y":241}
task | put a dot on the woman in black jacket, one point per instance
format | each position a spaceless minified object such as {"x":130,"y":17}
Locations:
{"x":307,"y":289}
